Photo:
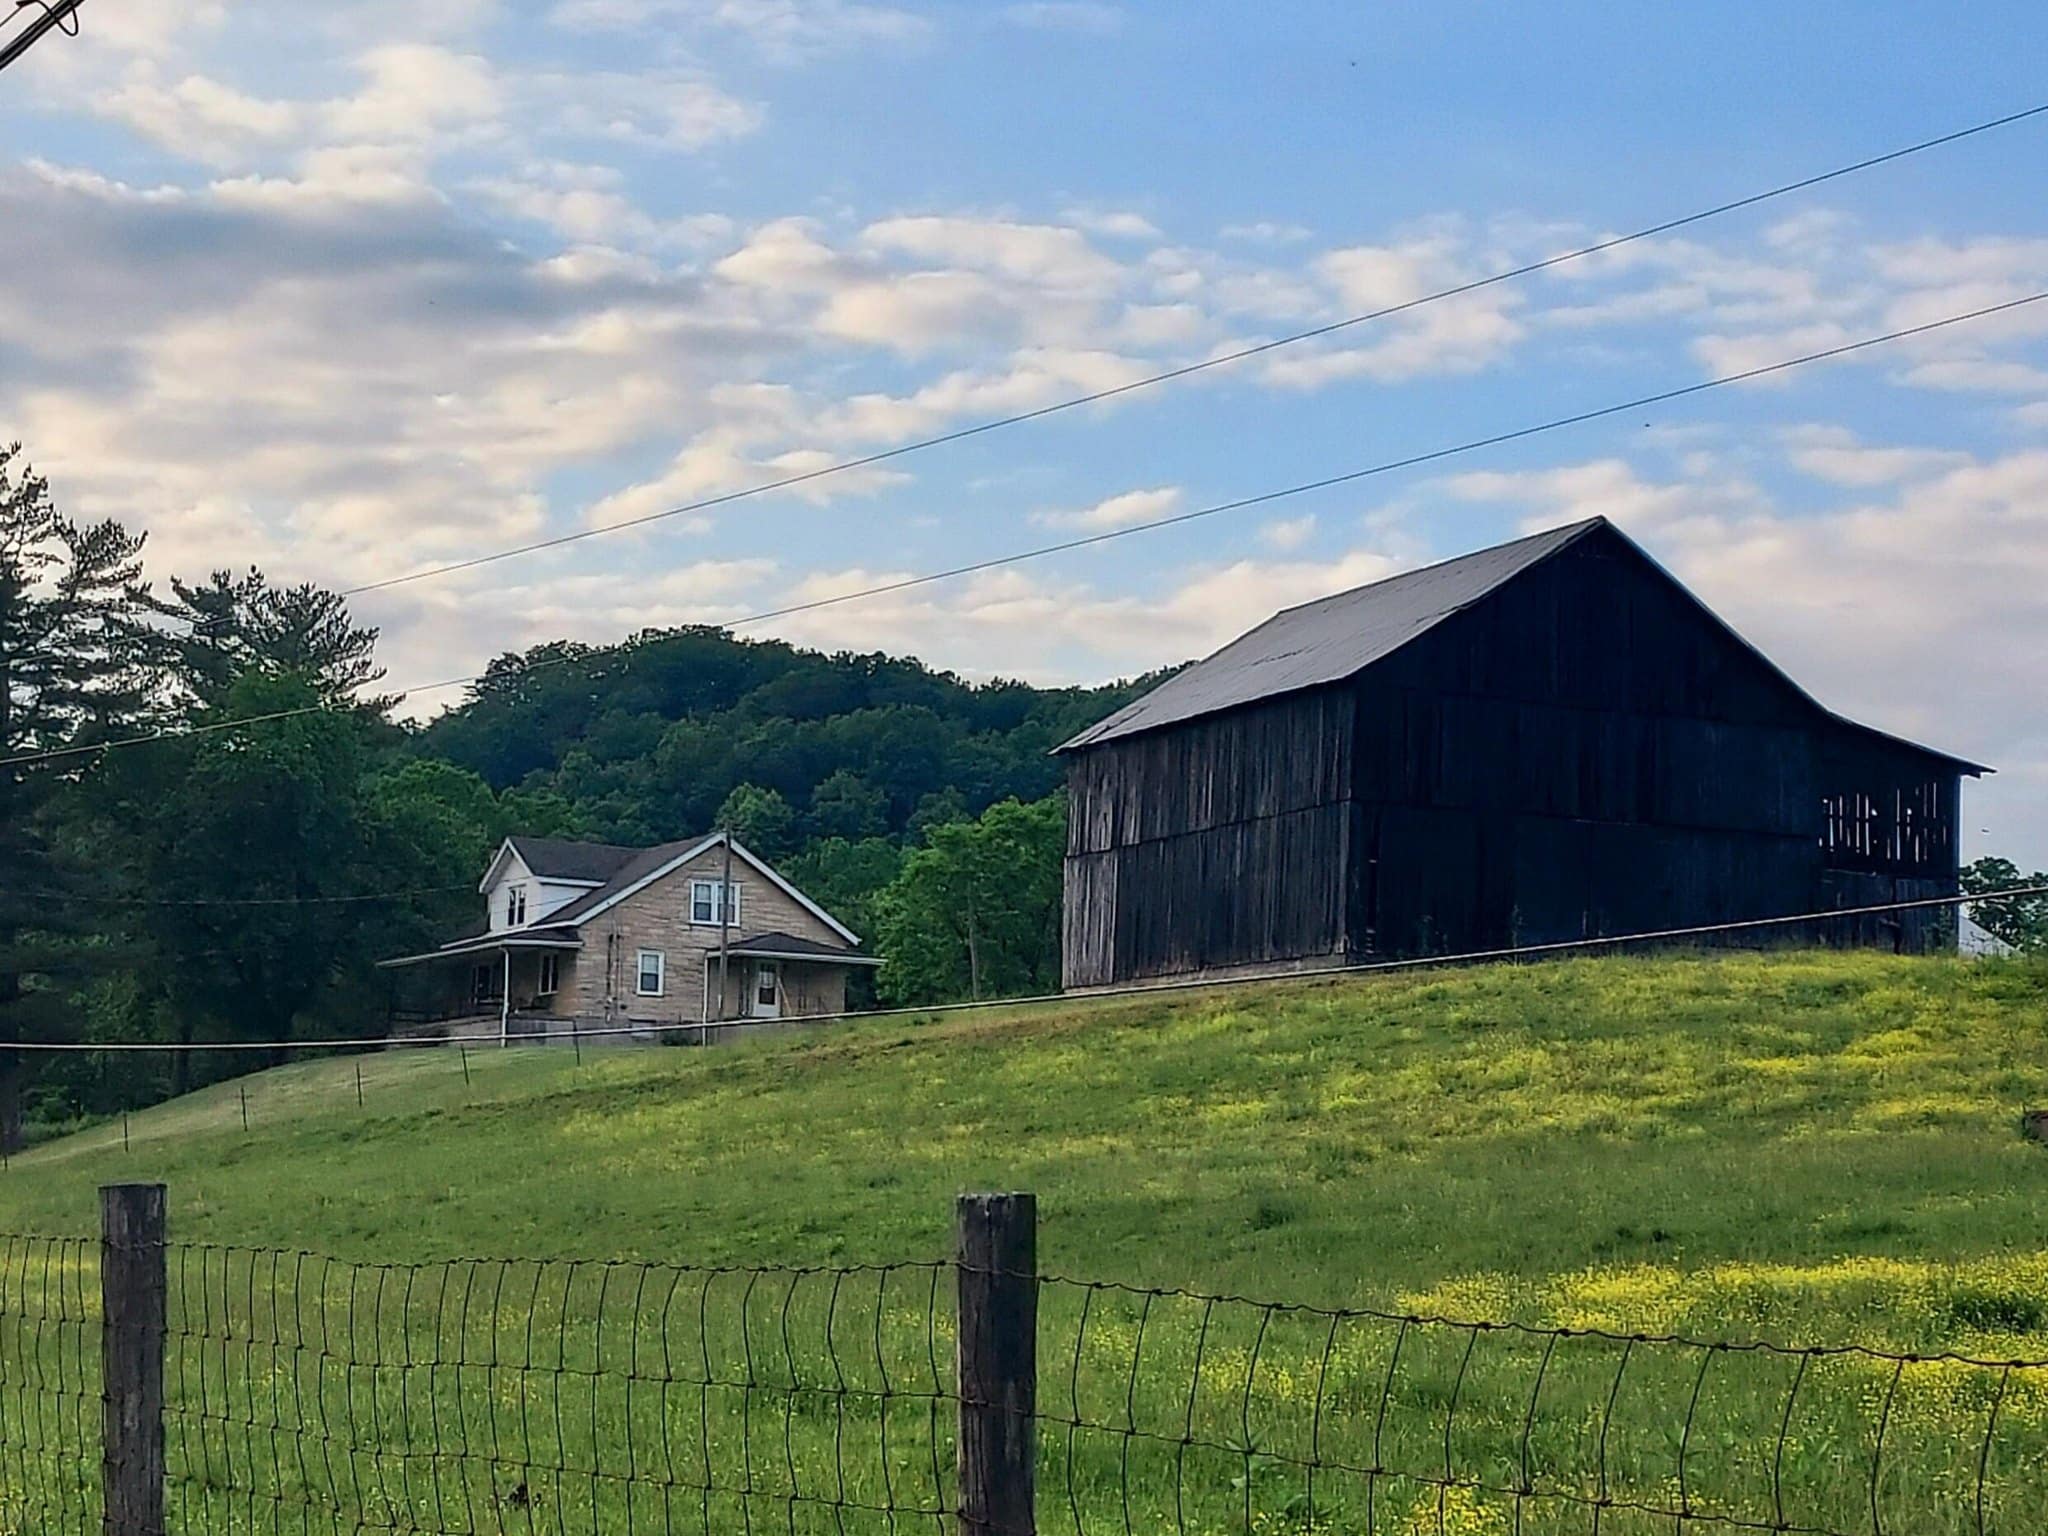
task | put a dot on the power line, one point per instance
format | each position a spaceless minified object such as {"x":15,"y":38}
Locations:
{"x":52,"y":15}
{"x":1041,"y":999}
{"x":112,"y":899}
{"x":1018,"y":557}
{"x":1187,"y":370}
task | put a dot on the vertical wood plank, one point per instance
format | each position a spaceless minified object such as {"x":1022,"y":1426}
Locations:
{"x":997,"y":1251}
{"x":132,"y":1303}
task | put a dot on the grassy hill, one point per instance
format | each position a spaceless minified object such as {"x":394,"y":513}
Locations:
{"x":1330,"y":1143}
{"x":1808,"y":1148}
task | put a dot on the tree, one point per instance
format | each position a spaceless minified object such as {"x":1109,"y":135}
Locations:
{"x":247,"y":841}
{"x":238,"y":625}
{"x":976,"y":912}
{"x":846,"y":806}
{"x":759,"y":818}
{"x":847,"y":877}
{"x":935,"y":810}
{"x":2021,"y":921}
{"x":76,"y":656}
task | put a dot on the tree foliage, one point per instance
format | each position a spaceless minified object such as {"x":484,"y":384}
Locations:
{"x":975,"y":913}
{"x":2021,"y":921}
{"x":646,"y":740}
{"x":76,"y":653}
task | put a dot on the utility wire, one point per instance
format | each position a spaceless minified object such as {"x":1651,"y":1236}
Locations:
{"x":706,"y":1029}
{"x":111,"y":899}
{"x":1388,"y":466}
{"x":1187,"y":370}
{"x":58,"y":15}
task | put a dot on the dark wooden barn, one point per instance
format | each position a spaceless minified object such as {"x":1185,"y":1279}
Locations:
{"x":1548,"y":740}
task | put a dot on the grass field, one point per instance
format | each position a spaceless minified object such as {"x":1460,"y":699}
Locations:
{"x":1804,"y":1149}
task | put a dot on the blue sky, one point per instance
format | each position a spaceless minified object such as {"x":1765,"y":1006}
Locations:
{"x":350,"y":289}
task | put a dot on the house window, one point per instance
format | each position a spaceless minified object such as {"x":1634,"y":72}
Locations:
{"x":652,"y":964}
{"x":550,"y":974}
{"x":764,"y":986}
{"x":704,"y":902}
{"x":515,"y":905}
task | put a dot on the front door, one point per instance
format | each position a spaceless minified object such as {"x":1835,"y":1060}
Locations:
{"x":766,"y":997}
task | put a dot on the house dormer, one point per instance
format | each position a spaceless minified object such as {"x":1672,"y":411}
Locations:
{"x":530,"y":877}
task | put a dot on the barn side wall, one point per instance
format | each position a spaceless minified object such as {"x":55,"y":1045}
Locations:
{"x":1216,"y":846}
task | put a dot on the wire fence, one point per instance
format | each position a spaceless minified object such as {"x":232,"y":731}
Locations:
{"x":301,"y":1393}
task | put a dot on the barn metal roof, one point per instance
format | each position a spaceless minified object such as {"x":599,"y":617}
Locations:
{"x":1330,"y":639}
{"x":1337,"y":637}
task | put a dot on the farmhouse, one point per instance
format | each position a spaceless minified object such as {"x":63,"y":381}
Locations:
{"x":581,"y":935}
{"x":1552,"y":739}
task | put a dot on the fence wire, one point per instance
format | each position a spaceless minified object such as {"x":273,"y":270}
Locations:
{"x":1171,"y":1410}
{"x":308,"y":1395}
{"x":49,"y":1384}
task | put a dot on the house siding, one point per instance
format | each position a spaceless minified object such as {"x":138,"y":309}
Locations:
{"x":600,"y":980}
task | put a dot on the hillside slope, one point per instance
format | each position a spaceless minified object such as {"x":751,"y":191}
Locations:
{"x":1484,"y":1134}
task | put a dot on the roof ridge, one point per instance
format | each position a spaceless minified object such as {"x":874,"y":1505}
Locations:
{"x":1569,"y":531}
{"x":1293,"y":648}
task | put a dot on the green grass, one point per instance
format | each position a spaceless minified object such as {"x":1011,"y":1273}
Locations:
{"x":1805,"y":1148}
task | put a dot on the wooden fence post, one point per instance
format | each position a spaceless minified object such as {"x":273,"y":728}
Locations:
{"x":996,"y":1246}
{"x":133,"y":1295}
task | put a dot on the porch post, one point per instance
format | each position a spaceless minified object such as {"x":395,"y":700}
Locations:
{"x":505,"y":1001}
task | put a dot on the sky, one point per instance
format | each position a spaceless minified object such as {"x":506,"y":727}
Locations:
{"x":352,"y":289}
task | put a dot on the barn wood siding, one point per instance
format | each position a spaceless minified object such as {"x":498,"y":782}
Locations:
{"x":1214,"y":845}
{"x":1584,"y":752}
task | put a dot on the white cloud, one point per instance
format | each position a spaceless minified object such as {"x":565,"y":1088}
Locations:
{"x":1726,"y":355}
{"x":670,"y":110}
{"x":200,"y":118}
{"x":1114,"y":224}
{"x":1046,"y":255}
{"x":1014,"y":622}
{"x":1266,"y":232}
{"x":1978,"y":375}
{"x":1461,"y":335}
{"x":915,"y":311}
{"x":1033,"y":377}
{"x":1120,"y":511}
{"x":1289,"y":533}
{"x":1609,"y":488}
{"x":783,"y":29}
{"x":1834,"y":454}
{"x":717,"y":463}
{"x":414,"y":91}
{"x":1931,"y":263}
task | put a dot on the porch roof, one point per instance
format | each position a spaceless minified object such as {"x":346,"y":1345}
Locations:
{"x":787,"y":946}
{"x":542,"y":936}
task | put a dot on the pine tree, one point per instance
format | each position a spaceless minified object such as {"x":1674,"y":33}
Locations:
{"x":238,"y":625}
{"x":77,"y":665}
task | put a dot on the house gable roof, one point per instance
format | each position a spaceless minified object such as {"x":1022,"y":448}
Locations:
{"x":647,"y":865}
{"x":561,"y":858}
{"x":1338,"y":637}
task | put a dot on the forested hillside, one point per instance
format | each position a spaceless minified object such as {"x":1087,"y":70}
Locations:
{"x":650,"y":739}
